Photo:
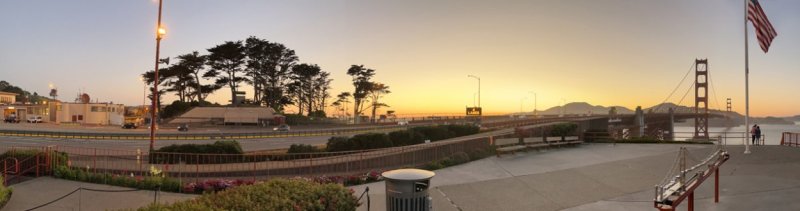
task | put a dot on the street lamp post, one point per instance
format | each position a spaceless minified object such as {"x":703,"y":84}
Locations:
{"x":160,"y":32}
{"x":534,"y":102}
{"x":479,"y":88}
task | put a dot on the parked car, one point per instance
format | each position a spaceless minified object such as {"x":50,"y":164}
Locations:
{"x":35,"y":119}
{"x":130,"y":125}
{"x":11,"y":119}
{"x":183,"y":128}
{"x":283,"y":127}
{"x":402,"y":123}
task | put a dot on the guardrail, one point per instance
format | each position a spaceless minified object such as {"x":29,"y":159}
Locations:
{"x":198,"y":167}
{"x":193,"y":136}
{"x":258,"y":135}
{"x":723,"y":138}
{"x":790,"y":139}
{"x":261,"y":166}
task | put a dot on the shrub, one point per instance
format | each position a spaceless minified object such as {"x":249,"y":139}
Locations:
{"x":563,"y":129}
{"x":149,"y":182}
{"x":278,"y":194}
{"x":371,"y":141}
{"x":434,"y":133}
{"x":460,"y":157}
{"x":433,"y":165}
{"x":463,"y":130}
{"x":58,"y":158}
{"x":406,"y":137}
{"x":5,"y":194}
{"x":338,"y":144}
{"x":479,"y":153}
{"x":302,"y":148}
{"x":218,"y":147}
{"x":177,"y":108}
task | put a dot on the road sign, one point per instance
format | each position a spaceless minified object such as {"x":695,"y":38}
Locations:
{"x":474,"y":111}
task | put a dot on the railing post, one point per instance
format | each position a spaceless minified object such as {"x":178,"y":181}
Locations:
{"x":690,"y":207}
{"x":94,"y":161}
{"x":36,"y":165}
{"x":716,"y":185}
{"x":197,"y":168}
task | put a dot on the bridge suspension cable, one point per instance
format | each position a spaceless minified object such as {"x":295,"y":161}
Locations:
{"x":676,"y":87}
{"x":685,"y":94}
{"x":714,"y":91}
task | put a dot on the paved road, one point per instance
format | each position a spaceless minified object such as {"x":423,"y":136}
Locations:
{"x":247,"y":144}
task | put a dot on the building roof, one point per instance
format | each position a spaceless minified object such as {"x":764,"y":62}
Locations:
{"x":8,"y":93}
{"x":227,"y":114}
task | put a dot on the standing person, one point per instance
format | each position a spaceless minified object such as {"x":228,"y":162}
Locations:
{"x":753,"y":134}
{"x":758,"y":134}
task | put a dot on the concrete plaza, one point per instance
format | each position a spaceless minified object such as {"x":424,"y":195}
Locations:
{"x":609,"y":177}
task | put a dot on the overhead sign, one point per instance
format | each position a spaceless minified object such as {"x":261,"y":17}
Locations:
{"x":474,"y":111}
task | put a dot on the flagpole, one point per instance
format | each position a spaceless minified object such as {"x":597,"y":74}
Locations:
{"x":746,"y":85}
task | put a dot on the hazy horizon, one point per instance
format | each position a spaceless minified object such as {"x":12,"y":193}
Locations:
{"x":606,"y":52}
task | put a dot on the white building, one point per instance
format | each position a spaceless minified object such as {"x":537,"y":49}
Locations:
{"x":8,"y":98}
{"x":91,"y":113}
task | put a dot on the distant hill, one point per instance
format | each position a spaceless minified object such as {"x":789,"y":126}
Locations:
{"x":584,"y":108}
{"x":733,"y":118}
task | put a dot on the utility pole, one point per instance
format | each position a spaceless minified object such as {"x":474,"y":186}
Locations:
{"x":479,"y":88}
{"x":159,"y":34}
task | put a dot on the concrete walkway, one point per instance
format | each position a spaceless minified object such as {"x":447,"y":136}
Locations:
{"x":607,"y":177}
{"x":35,"y":192}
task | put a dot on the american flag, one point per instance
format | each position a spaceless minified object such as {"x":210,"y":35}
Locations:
{"x":764,"y":31}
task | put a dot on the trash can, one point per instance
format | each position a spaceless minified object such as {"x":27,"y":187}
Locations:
{"x":407,"y":190}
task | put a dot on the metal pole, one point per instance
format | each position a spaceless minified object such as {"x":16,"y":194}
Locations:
{"x":746,"y":85}
{"x":716,"y":185}
{"x":155,"y":82}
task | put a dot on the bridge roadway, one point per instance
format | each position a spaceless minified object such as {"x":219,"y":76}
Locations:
{"x":251,"y":144}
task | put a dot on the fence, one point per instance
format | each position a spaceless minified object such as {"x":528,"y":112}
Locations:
{"x":723,"y":138}
{"x":194,"y":136}
{"x":196,"y":167}
{"x":790,"y":139}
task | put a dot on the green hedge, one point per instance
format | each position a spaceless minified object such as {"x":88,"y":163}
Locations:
{"x":218,"y":147}
{"x":459,"y":158}
{"x":302,"y":148}
{"x":416,"y":135}
{"x":155,"y":182}
{"x":5,"y":194}
{"x":406,"y":137}
{"x":359,"y":142}
{"x":277,"y":194}
{"x":563,"y":129}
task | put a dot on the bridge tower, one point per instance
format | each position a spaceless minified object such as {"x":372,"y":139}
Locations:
{"x":701,"y":97}
{"x":728,"y":107}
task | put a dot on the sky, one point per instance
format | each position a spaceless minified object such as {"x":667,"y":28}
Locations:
{"x":604,"y":52}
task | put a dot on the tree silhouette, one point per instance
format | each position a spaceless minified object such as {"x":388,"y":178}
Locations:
{"x":362,"y":84}
{"x":195,"y":64}
{"x":225,"y":62}
{"x":376,"y":92}
{"x":268,"y":67}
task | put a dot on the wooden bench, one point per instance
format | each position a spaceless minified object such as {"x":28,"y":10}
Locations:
{"x":573,"y":140}
{"x":535,"y":143}
{"x":508,"y":145}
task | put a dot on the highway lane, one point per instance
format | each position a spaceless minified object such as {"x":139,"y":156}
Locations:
{"x":247,"y":144}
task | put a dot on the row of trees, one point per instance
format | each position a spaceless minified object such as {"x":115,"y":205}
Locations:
{"x":276,"y":75}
